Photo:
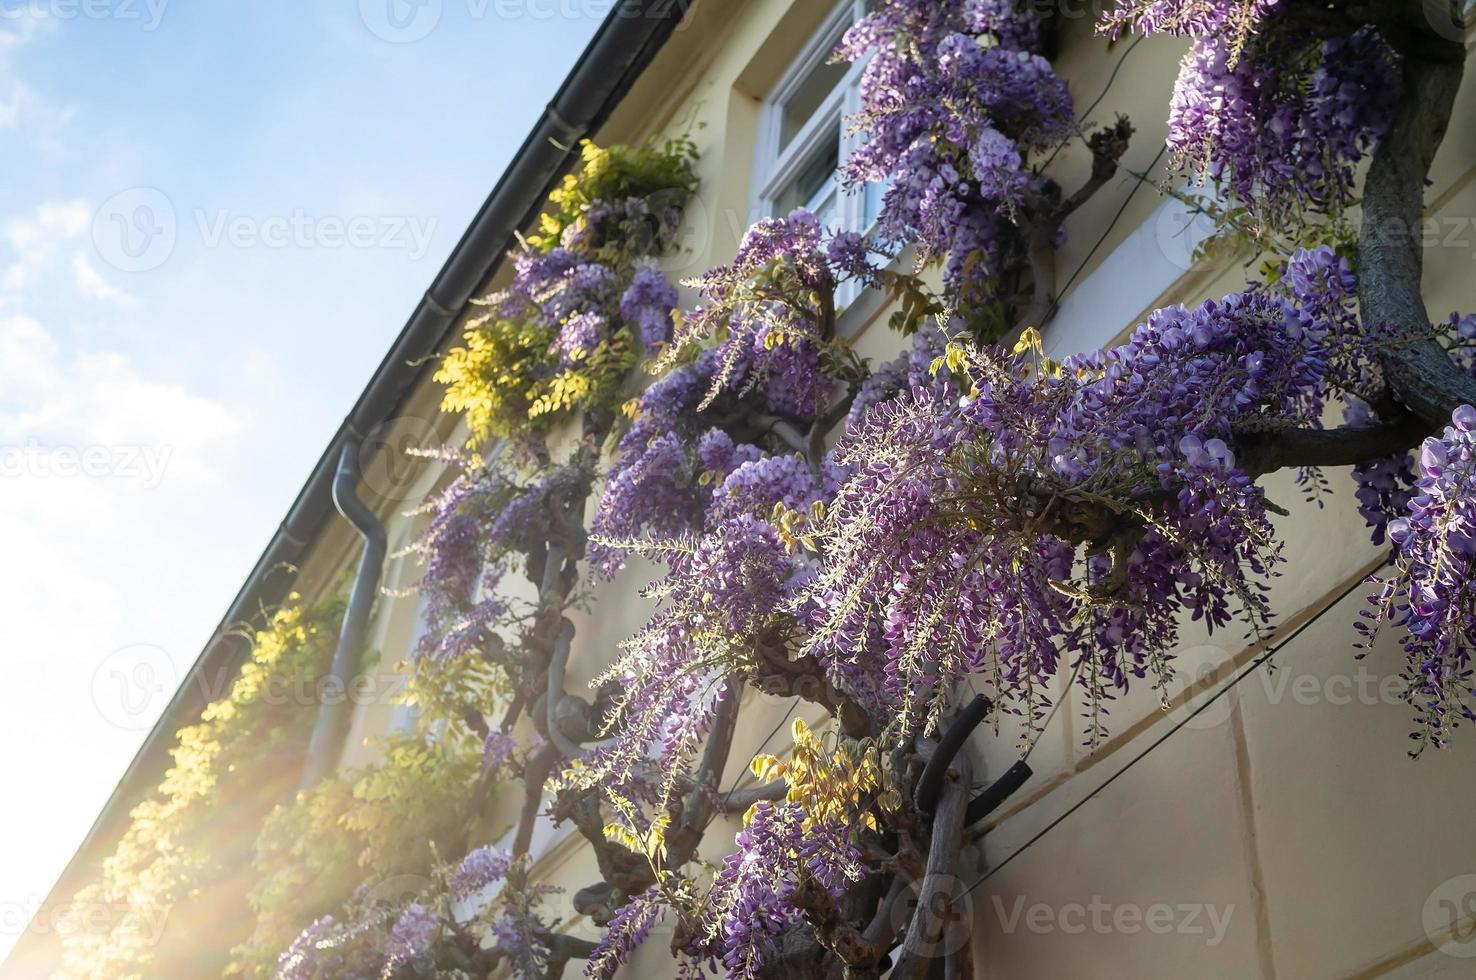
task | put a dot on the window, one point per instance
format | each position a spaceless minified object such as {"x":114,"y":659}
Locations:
{"x":802,"y":136}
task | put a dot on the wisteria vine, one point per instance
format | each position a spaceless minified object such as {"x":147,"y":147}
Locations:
{"x":879,"y":539}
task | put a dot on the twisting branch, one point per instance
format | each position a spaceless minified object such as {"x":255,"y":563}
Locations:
{"x":1390,"y":258}
{"x":1107,"y":147}
{"x":557,"y":665}
{"x":934,"y":915}
{"x":703,"y":802}
{"x":1266,"y":450}
{"x":540,"y":766}
{"x":784,"y":430}
{"x":740,"y":800}
{"x":780,"y":676}
{"x":925,"y":797}
{"x":561,"y":949}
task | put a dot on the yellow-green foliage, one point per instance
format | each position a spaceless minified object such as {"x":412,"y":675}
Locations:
{"x":655,"y":173}
{"x":603,"y":369}
{"x":186,"y":839}
{"x":375,"y":828}
{"x":494,"y":379}
{"x":504,"y":379}
{"x":455,"y":689}
{"x":837,"y":781}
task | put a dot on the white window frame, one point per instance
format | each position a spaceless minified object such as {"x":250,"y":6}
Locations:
{"x":776,"y":166}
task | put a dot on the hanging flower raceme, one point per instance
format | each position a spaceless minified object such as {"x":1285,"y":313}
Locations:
{"x":1282,"y":119}
{"x":1430,"y":591}
{"x":479,"y":869}
{"x":479,"y":525}
{"x":1234,"y":19}
{"x":1386,"y":485}
{"x":1083,"y":506}
{"x":773,"y":307}
{"x":725,"y":595}
{"x":660,"y":485}
{"x":326,"y":949}
{"x":775,"y":366}
{"x":954,"y":95}
{"x":627,"y":929}
{"x":796,"y":854}
{"x":585,"y":300}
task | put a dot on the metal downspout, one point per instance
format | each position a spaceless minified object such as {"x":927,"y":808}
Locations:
{"x":336,"y":711}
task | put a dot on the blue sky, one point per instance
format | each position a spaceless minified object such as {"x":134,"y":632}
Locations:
{"x":215,"y":217}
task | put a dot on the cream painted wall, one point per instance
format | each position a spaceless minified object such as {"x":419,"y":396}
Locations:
{"x":1283,"y":833}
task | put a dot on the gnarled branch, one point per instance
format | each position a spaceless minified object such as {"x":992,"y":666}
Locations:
{"x":1390,"y":258}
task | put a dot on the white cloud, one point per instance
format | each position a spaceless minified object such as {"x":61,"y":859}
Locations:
{"x":39,"y":241}
{"x":21,"y":107}
{"x":53,"y":396}
{"x":38,"y":246}
{"x":92,"y":285}
{"x":27,"y":356}
{"x":21,"y":27}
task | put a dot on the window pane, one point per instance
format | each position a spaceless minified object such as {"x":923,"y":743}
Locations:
{"x":807,"y":98}
{"x":876,"y":192}
{"x":815,"y":184}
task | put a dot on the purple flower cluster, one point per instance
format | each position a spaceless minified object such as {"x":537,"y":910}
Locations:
{"x":910,"y":369}
{"x":519,"y":939}
{"x":984,"y":534}
{"x":304,"y":959}
{"x":849,"y":255}
{"x":953,"y":96}
{"x":651,"y":489}
{"x":752,"y":898}
{"x":1431,"y":591}
{"x":1383,"y":486}
{"x":577,"y":338}
{"x":459,"y":579}
{"x":648,"y":304}
{"x":755,"y":488}
{"x":479,"y":869}
{"x":636,"y":226}
{"x":724,"y":594}
{"x":584,"y":306}
{"x":667,"y":464}
{"x":497,"y":749}
{"x":627,"y":929}
{"x":412,"y":937}
{"x":366,"y":945}
{"x":478,"y":524}
{"x":1283,"y":125}
{"x":773,"y":305}
{"x":1188,"y":18}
